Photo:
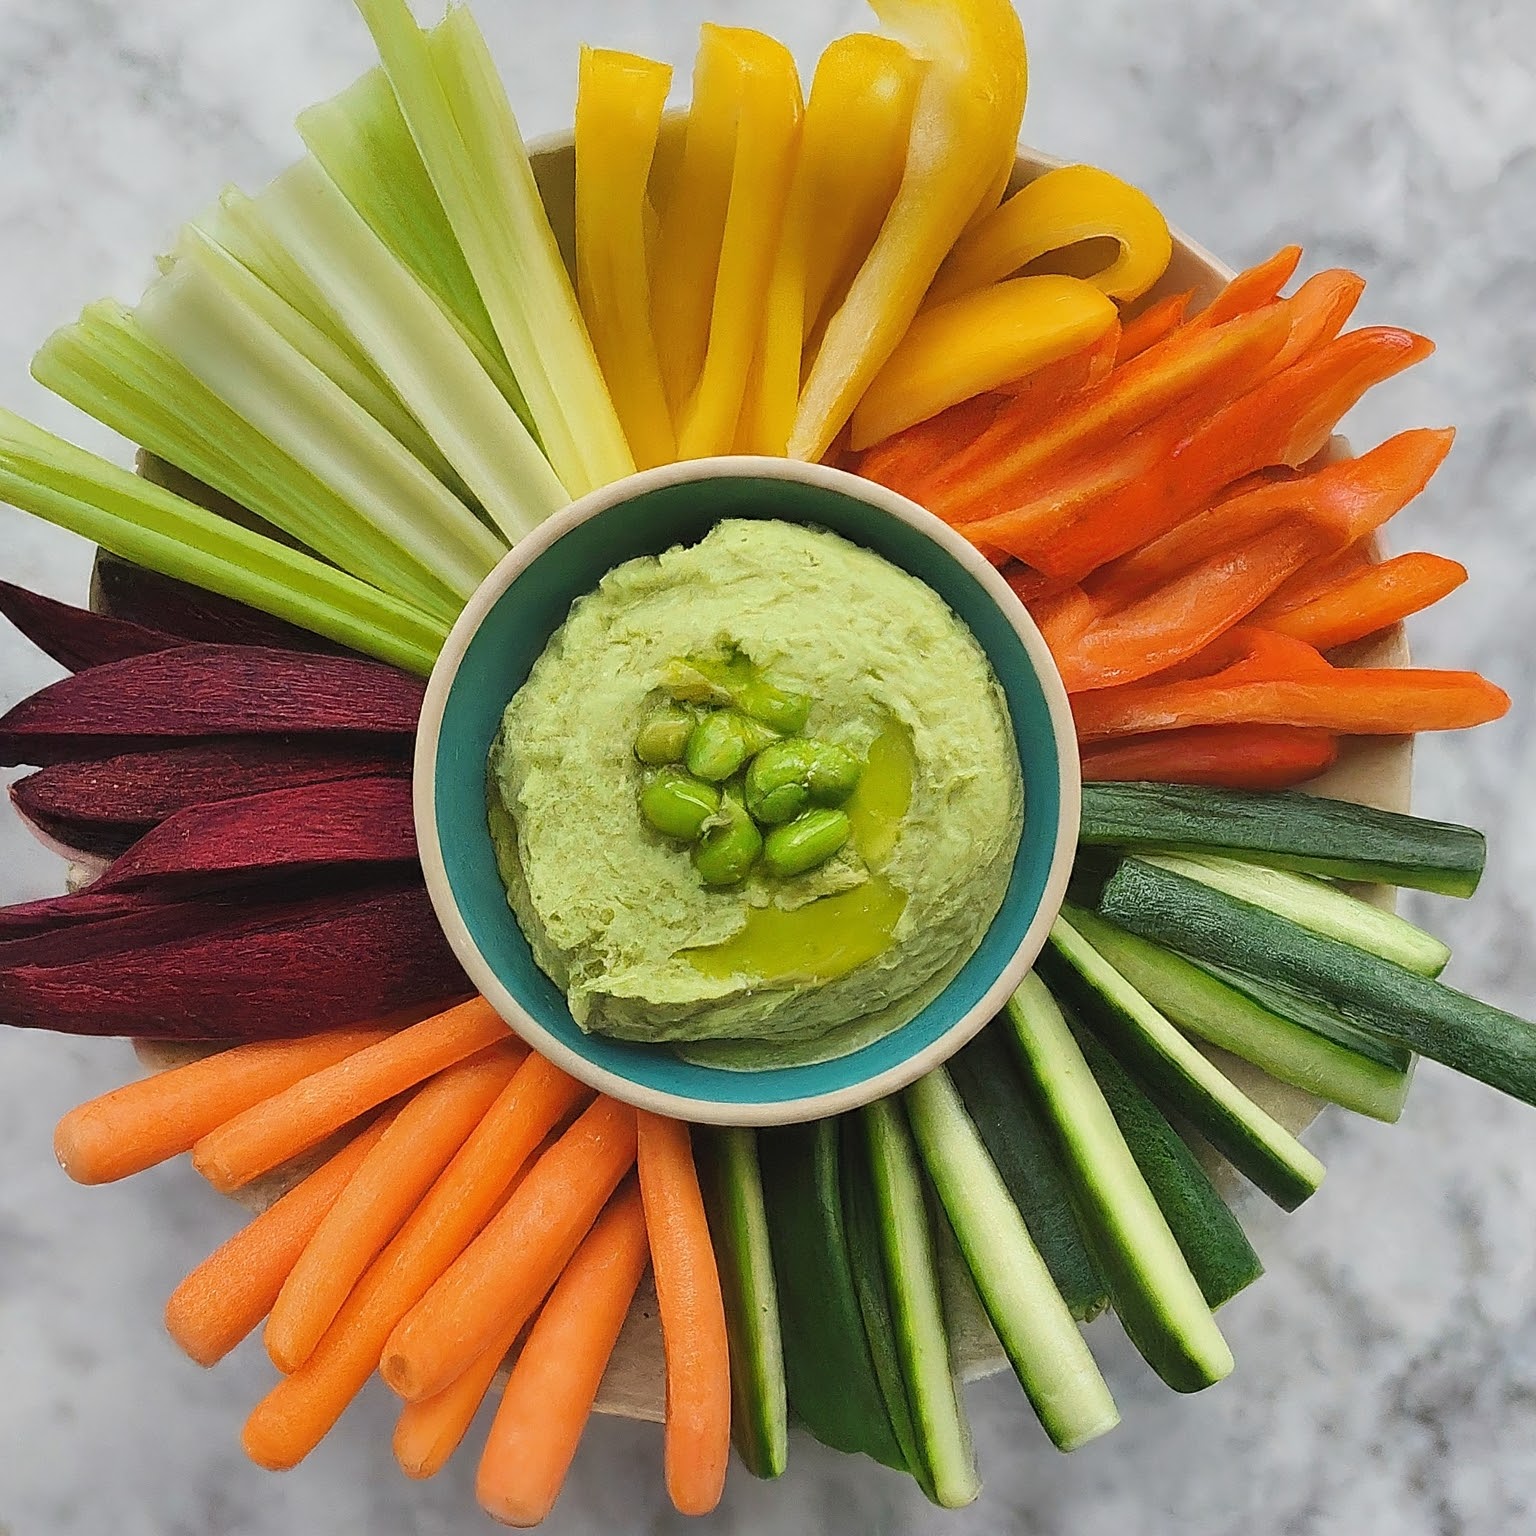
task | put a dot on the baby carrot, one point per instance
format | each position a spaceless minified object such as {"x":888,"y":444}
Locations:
{"x":388,"y":1187}
{"x":506,"y":1271}
{"x":554,"y":1382}
{"x":693,"y":1338}
{"x":225,"y":1297}
{"x":281,"y":1127}
{"x":144,"y":1123}
{"x":294,"y":1417}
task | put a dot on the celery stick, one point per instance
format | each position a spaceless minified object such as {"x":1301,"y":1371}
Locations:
{"x":142,"y":522}
{"x":415,"y":347}
{"x":457,"y":110}
{"x":108,"y":367}
{"x":203,"y":324}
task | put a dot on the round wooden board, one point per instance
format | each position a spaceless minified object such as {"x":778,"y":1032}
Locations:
{"x":1372,"y":771}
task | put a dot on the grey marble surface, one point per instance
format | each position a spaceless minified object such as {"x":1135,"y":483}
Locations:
{"x":1387,"y":1364}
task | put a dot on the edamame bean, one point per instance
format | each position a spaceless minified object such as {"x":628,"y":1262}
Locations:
{"x":678,"y":805}
{"x":778,"y":787}
{"x":717,"y":746}
{"x":733,"y":680}
{"x":729,"y":848}
{"x":805,"y":842}
{"x":834,"y":774}
{"x":785,"y":712}
{"x":664,"y":737}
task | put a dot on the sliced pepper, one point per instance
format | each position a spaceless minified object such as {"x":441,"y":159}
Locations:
{"x":619,"y":104}
{"x":853,"y":147}
{"x":965,"y":127}
{"x":979,"y":342}
{"x":767,"y":140}
{"x":1058,"y":210}
{"x":1368,"y":600}
{"x":1152,"y":325}
{"x":1228,"y":756}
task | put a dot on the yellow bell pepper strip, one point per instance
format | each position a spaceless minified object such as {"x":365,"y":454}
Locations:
{"x":978,"y":342}
{"x":1060,"y":209}
{"x":964,"y":126}
{"x":767,"y":140}
{"x":853,"y":149}
{"x":619,"y":106}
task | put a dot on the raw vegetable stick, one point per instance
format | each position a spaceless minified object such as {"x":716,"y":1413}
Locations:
{"x":388,"y":1187}
{"x":294,"y":1417}
{"x":506,"y":1270}
{"x":1152,"y":325}
{"x":75,"y":637}
{"x":144,"y":1123}
{"x":549,"y":1396}
{"x":271,"y":1132}
{"x":1252,"y":289}
{"x":1319,"y":310}
{"x":698,"y":1408}
{"x":1233,"y":756}
{"x":1368,"y":601}
{"x":230,"y":1292}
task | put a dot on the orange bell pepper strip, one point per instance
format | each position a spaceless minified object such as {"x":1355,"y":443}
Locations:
{"x":1368,"y":600}
{"x":1198,"y":369}
{"x":965,"y":128}
{"x":1152,"y":325}
{"x":1225,"y":756}
{"x":1179,"y":619}
{"x":1252,"y":289}
{"x":1356,"y":701}
{"x":1172,"y":472}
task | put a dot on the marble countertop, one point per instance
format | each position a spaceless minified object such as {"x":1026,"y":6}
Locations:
{"x":1386,"y":1383}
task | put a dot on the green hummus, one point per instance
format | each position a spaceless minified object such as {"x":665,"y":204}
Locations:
{"x":775,"y":969}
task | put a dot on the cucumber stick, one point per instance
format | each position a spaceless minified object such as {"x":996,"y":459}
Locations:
{"x":1363,"y":1076}
{"x":827,"y":1363}
{"x":944,"y":1450}
{"x":1335,"y":838}
{"x":1316,"y":905}
{"x":1178,"y":1077}
{"x":1019,"y":1144}
{"x":1472,"y":1037}
{"x":1211,"y":1238}
{"x":1151,"y":1287}
{"x":1048,"y":1353}
{"x":738,"y":1223}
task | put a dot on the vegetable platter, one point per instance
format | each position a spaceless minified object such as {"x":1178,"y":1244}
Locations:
{"x":353,"y":392}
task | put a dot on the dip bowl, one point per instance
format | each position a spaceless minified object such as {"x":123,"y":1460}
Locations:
{"x":505,"y":628}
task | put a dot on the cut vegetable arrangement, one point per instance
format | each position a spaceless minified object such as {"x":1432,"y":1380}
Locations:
{"x":355,"y":390}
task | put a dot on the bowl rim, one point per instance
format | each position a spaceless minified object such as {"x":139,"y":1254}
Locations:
{"x":524,"y":555}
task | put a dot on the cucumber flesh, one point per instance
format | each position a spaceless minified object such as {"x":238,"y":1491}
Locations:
{"x":827,"y":1364}
{"x":1048,"y":1353}
{"x":866,"y":1257}
{"x":944,"y":1447}
{"x":1151,"y":1287}
{"x":1179,"y":1078}
{"x":1220,"y":1256}
{"x":1334,"y":838}
{"x":1019,"y":1144}
{"x":738,"y":1223}
{"x":1316,"y":905}
{"x":1363,"y":1076}
{"x":1449,"y":1027}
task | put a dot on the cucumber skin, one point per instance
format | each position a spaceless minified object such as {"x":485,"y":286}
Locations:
{"x":827,"y":1363}
{"x":1212,"y":1239}
{"x":1471,"y":1037}
{"x":1009,"y":1123}
{"x":759,"y":1406}
{"x":1286,"y":831}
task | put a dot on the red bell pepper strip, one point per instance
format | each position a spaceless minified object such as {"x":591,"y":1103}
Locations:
{"x":1252,"y":289}
{"x":1368,"y":600}
{"x":1227,"y":756}
{"x":1152,"y":325}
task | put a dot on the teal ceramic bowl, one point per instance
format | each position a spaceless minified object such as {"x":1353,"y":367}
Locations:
{"x":505,"y":628}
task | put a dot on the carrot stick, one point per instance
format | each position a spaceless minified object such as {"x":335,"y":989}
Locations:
{"x":144,"y":1123}
{"x":902,"y":459}
{"x":297,"y":1413}
{"x":693,"y":1338}
{"x":1152,"y":325}
{"x":1367,"y":600}
{"x":230,"y":1292}
{"x":506,"y":1270}
{"x":429,"y":1130}
{"x":554,"y":1382}
{"x":1252,"y":289}
{"x":281,"y":1127}
{"x":1229,"y":756}
{"x":1319,"y":310}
